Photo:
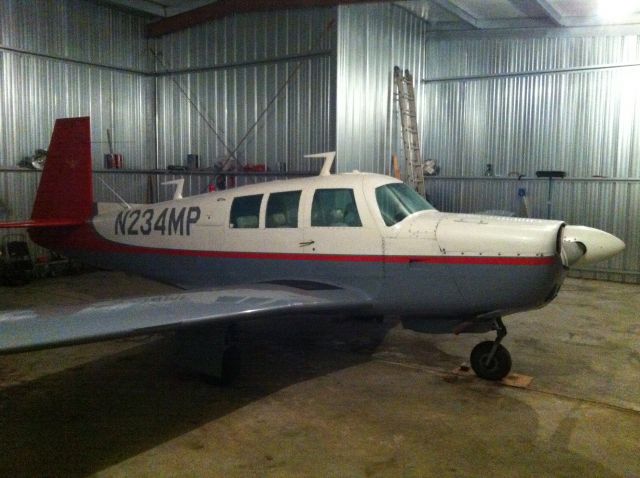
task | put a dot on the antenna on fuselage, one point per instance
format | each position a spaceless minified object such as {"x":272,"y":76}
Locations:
{"x":125,"y":204}
{"x":177,"y":193}
{"x":329,"y":157}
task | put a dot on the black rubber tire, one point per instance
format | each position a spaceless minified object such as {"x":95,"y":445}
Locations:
{"x":498,"y":368}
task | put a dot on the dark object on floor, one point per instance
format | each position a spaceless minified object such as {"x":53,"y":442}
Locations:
{"x":16,"y":265}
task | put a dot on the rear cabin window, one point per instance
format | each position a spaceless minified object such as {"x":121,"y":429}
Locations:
{"x":282,"y":209}
{"x":245,"y":212}
{"x":334,"y":208}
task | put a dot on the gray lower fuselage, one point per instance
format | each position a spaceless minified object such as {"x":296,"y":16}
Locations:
{"x":459,"y":290}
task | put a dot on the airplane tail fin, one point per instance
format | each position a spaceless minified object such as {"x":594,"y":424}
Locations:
{"x":65,"y":193}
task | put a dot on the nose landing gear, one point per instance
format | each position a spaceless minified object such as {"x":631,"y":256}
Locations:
{"x":490,"y":359}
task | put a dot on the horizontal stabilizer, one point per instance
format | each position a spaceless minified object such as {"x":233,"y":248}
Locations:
{"x":41,"y":223}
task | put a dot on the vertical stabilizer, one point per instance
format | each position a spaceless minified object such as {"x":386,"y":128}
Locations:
{"x":65,"y":192}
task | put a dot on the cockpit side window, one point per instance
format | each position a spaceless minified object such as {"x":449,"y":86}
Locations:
{"x":245,"y":212}
{"x":397,"y":201}
{"x":334,"y":208}
{"x":282,"y":209}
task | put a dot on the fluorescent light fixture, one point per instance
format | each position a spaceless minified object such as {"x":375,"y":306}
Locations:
{"x":617,"y":9}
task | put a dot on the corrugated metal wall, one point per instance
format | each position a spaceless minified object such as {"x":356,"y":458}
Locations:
{"x":75,"y":58}
{"x":233,"y":69}
{"x":522,"y":104}
{"x":371,"y":40}
{"x":71,"y":58}
{"x":75,"y":29}
{"x":560,"y":110}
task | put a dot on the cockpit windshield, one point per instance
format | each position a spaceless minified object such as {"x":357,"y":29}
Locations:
{"x":397,"y":200}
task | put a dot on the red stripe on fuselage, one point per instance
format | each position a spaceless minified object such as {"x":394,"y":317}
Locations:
{"x":86,"y":238}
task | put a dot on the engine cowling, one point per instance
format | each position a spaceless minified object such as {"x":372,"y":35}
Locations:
{"x":497,"y":236}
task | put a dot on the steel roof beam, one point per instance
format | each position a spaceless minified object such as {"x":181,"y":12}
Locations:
{"x":501,"y":23}
{"x":152,"y":8}
{"x":223,"y":8}
{"x":185,"y":6}
{"x":598,"y":21}
{"x":458,"y":12}
{"x":545,"y":32}
{"x":529,"y":8}
{"x":496,"y":23}
{"x":552,"y":13}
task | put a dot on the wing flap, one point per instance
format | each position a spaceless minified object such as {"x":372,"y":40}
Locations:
{"x":23,"y":330}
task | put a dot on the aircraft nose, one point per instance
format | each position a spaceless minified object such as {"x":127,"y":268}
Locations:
{"x":586,"y":245}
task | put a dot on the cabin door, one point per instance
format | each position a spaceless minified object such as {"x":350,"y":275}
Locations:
{"x":341,"y":239}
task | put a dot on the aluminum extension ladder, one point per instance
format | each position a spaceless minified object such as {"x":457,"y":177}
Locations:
{"x":405,"y":95}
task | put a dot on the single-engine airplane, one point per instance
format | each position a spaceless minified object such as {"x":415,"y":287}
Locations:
{"x":360,"y":243}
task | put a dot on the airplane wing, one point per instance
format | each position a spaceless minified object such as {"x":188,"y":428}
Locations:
{"x":23,"y":330}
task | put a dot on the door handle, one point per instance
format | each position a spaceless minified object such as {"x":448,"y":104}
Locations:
{"x":307,"y":243}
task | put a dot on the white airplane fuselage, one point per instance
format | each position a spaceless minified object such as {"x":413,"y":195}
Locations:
{"x":429,"y":264}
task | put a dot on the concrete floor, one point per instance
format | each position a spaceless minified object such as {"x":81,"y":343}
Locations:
{"x":330,"y":397}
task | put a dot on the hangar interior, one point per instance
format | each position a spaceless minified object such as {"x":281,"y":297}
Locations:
{"x":522,"y":85}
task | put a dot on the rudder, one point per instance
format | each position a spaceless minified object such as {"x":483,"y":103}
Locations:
{"x":65,"y":192}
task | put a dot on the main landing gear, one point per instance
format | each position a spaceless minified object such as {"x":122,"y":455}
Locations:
{"x":490,"y":359}
{"x":211,"y":351}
